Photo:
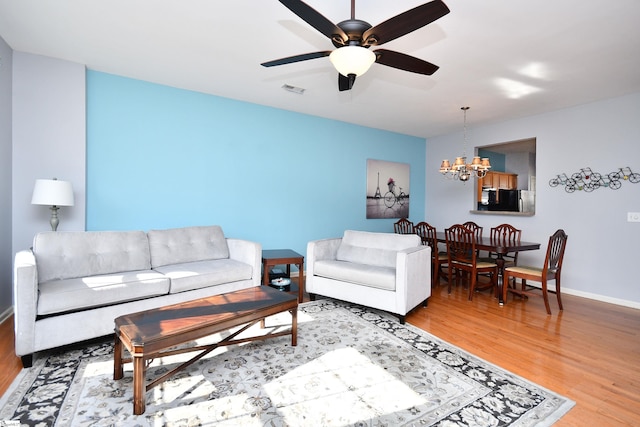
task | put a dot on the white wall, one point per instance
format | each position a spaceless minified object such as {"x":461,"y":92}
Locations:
{"x":603,"y":248}
{"x":49,"y":134}
{"x":5,"y":179}
{"x":518,"y":163}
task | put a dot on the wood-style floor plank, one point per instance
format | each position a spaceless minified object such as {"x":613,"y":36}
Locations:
{"x":589,"y":353}
{"x":10,"y":364}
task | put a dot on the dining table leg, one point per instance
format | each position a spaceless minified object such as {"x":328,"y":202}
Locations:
{"x":500,"y":264}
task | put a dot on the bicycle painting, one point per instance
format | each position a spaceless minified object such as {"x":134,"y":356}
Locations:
{"x":387,"y":189}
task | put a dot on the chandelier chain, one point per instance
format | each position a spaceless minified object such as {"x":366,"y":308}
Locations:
{"x":464,"y":127}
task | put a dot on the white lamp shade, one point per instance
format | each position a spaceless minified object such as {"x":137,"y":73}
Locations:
{"x":52,"y":192}
{"x":352,"y":60}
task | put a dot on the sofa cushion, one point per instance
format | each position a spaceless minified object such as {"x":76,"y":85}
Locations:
{"x":376,"y":249}
{"x":59,"y":296}
{"x":187,"y":244}
{"x":362,"y":274}
{"x":367,"y":256}
{"x":201,"y":274}
{"x":70,"y":254}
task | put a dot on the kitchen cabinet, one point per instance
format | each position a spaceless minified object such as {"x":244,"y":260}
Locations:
{"x":497,"y":180}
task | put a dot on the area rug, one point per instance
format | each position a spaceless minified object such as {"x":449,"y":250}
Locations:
{"x":352,"y":367}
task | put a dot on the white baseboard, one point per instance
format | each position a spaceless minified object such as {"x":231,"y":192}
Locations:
{"x":603,"y":298}
{"x":6,"y":314}
{"x":596,"y":297}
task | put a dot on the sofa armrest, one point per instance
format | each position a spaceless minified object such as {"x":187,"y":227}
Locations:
{"x":319,"y":250}
{"x":25,"y":301}
{"x":249,"y":253}
{"x":413,"y":275}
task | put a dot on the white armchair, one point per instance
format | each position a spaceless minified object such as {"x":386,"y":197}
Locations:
{"x":386,"y":271}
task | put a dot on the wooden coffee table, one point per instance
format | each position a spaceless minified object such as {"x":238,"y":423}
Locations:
{"x":148,"y":334}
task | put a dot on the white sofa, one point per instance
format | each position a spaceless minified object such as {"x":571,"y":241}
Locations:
{"x":70,"y":286}
{"x":387,"y":271}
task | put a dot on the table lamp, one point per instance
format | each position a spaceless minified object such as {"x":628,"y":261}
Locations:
{"x":54,"y":193}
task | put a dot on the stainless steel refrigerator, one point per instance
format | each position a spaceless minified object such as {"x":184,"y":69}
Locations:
{"x":527,"y":201}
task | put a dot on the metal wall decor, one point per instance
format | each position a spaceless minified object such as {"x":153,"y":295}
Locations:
{"x":587,"y":180}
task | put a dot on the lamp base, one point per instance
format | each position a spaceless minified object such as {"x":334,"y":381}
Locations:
{"x":54,"y":218}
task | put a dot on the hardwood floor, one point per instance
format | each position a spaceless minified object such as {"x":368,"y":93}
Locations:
{"x":10,"y":364}
{"x":589,"y":353}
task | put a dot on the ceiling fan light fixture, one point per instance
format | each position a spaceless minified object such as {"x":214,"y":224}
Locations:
{"x":354,"y":60}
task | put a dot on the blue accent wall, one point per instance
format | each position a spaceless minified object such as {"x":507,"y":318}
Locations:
{"x":160,"y":157}
{"x":497,"y":160}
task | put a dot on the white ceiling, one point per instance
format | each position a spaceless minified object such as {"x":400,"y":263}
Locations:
{"x":503,"y":58}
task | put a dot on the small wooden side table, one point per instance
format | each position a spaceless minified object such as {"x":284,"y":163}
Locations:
{"x":273,"y":257}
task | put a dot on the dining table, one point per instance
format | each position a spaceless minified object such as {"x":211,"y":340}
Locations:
{"x":500,"y":248}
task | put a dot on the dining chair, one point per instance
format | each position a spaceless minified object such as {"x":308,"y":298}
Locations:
{"x":507,"y":235}
{"x":550,"y":271}
{"x":439,"y":259}
{"x":403,"y":226}
{"x":462,"y":256}
{"x":477,"y":230}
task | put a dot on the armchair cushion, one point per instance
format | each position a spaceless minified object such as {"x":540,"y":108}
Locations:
{"x":361,"y":274}
{"x":375,"y":249}
{"x":367,"y":256}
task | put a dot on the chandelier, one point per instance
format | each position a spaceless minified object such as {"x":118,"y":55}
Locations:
{"x":461,"y":170}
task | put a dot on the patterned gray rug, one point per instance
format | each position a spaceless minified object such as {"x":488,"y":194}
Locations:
{"x":352,"y":367}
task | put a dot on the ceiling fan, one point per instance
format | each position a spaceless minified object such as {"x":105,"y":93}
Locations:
{"x":353,"y":37}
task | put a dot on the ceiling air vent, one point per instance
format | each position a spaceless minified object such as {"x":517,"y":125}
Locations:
{"x":293,"y":89}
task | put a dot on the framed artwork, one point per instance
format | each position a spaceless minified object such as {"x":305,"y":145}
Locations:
{"x":388,"y":189}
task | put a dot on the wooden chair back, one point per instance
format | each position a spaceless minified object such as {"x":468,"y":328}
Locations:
{"x":477,"y":230}
{"x":403,"y":226}
{"x":507,"y":235}
{"x":427,"y":234}
{"x":555,"y":254}
{"x":461,"y":244}
{"x":439,"y":259}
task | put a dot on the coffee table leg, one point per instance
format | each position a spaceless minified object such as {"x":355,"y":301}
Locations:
{"x":138,"y":385}
{"x":117,"y":359}
{"x":294,"y":327}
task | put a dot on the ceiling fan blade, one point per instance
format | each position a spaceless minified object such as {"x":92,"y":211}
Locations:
{"x":316,"y":20}
{"x":405,"y":23}
{"x":404,"y":62}
{"x":346,"y":83}
{"x":296,"y":58}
